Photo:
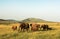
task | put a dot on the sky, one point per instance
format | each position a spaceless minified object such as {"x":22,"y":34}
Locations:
{"x":22,"y":9}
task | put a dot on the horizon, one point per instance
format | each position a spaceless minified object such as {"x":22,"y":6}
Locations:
{"x":30,"y":18}
{"x":22,"y":9}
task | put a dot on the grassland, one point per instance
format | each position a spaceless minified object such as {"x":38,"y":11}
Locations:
{"x":7,"y":33}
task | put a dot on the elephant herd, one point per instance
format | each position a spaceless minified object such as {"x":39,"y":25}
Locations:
{"x":32,"y":27}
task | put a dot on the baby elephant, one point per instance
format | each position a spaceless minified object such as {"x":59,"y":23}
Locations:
{"x":14,"y":27}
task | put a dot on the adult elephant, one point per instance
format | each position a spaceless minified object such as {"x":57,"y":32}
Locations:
{"x":24,"y":26}
{"x":45,"y":27}
{"x":35,"y":27}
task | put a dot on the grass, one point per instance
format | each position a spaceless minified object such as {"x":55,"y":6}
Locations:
{"x":32,"y":35}
{"x":7,"y":33}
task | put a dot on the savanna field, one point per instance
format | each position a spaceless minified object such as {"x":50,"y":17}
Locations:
{"x":7,"y":33}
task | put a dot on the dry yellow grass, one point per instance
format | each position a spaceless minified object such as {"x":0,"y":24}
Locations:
{"x":7,"y":28}
{"x":7,"y":33}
